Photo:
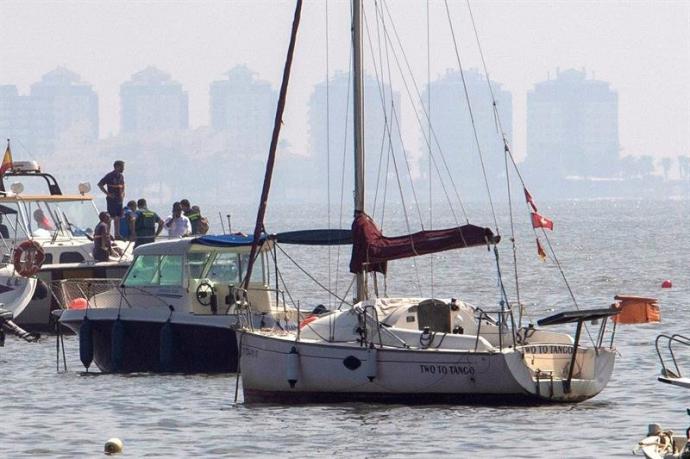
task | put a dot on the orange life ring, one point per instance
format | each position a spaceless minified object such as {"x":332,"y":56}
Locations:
{"x":28,"y":258}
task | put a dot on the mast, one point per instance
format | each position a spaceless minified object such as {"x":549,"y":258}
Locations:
{"x":358,"y":112}
{"x":259,"y":227}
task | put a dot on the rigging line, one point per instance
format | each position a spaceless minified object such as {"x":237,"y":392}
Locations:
{"x":567,"y":284}
{"x":342,"y":168}
{"x":428,"y":103}
{"x":497,"y":117}
{"x":469,"y":106}
{"x":388,"y":132}
{"x":506,"y":155}
{"x":328,"y":148}
{"x":419,"y":121}
{"x":279,"y":275}
{"x":312,"y":278}
{"x":383,"y":105}
{"x":394,"y":114}
{"x":512,"y":237}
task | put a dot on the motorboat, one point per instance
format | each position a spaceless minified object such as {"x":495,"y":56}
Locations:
{"x":176,"y":309}
{"x":421,"y":350}
{"x":664,"y":444}
{"x":660,"y":443}
{"x":54,"y":230}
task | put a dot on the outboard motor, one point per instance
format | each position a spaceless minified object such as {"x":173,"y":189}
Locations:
{"x":7,"y":325}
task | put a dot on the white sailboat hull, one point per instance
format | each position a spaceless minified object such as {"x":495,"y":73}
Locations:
{"x":321,"y":373}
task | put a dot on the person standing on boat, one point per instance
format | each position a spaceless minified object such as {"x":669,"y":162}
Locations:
{"x":194,"y":216}
{"x":101,"y":238}
{"x":128,"y":213}
{"x":114,"y":193}
{"x":178,"y":225}
{"x":146,"y":225}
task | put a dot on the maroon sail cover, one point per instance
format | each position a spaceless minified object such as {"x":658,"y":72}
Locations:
{"x":371,"y":249}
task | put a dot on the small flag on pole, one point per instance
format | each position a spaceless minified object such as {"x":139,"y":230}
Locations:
{"x":540,"y":251}
{"x":6,"y":160}
{"x":539,"y":221}
{"x":530,"y":200}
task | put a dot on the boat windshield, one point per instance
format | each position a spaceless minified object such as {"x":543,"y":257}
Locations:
{"x":42,"y":219}
{"x":154,"y":271}
{"x":228,"y":268}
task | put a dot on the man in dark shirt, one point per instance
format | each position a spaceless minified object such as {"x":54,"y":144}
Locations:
{"x":101,"y":238}
{"x":115,"y":193}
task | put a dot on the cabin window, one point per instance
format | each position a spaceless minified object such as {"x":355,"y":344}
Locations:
{"x":71,"y":257}
{"x":225,"y":269}
{"x":196,"y":262}
{"x":155,"y":270}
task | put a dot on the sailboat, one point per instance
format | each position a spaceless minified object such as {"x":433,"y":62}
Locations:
{"x":412,"y":349}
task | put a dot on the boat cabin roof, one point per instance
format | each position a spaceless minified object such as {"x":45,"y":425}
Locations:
{"x":237,"y":243}
{"x":14,"y":198}
{"x":584,"y":315}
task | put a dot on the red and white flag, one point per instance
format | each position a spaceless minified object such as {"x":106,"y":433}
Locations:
{"x":530,"y":200}
{"x":539,"y":221}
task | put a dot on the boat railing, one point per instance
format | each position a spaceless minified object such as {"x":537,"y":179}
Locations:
{"x":505,"y":317}
{"x":75,"y":293}
{"x":669,"y":340}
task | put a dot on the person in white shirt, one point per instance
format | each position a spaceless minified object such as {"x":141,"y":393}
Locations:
{"x":177,"y":224}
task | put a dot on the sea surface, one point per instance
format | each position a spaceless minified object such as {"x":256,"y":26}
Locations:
{"x":604,"y":248}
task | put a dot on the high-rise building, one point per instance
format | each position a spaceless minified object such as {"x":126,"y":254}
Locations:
{"x":453,"y":130}
{"x":244,"y":107}
{"x":60,"y":108}
{"x":152,"y":102}
{"x":331,"y":135}
{"x":572,"y":127}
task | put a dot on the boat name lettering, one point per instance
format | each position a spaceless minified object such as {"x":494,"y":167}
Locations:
{"x":549,"y":349}
{"x":447,"y":369}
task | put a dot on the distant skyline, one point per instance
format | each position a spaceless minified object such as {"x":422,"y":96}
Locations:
{"x":642,"y":48}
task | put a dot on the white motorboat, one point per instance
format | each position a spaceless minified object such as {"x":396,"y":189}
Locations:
{"x":61,"y":242}
{"x":419,"y":349}
{"x":663,"y":444}
{"x":15,"y":291}
{"x":176,"y":308}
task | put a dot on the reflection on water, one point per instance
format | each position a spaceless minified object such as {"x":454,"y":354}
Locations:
{"x":605,"y":248}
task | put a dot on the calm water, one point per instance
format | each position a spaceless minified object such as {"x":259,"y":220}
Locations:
{"x":606,"y":248}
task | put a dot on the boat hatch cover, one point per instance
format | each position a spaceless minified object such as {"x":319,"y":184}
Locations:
{"x":226,"y":240}
{"x":584,"y":315}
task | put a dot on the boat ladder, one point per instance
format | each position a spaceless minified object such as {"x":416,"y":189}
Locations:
{"x":671,"y":374}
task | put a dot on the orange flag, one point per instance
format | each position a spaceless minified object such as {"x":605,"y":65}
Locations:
{"x":540,"y":251}
{"x":6,"y":160}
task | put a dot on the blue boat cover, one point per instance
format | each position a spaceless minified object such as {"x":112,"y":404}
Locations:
{"x":227,"y":240}
{"x":315,"y":237}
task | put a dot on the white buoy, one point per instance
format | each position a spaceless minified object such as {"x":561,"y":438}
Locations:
{"x":292,"y":366}
{"x":113,"y":446}
{"x":371,"y":363}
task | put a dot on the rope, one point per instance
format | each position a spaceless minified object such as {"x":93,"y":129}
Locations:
{"x":312,"y":278}
{"x":469,"y":106}
{"x":328,"y":146}
{"x":428,"y":103}
{"x":421,"y":125}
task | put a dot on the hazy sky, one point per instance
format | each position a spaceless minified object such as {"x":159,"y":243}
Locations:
{"x":641,"y":47}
